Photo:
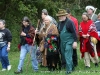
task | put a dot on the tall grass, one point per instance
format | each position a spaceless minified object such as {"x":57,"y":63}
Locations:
{"x":28,"y":70}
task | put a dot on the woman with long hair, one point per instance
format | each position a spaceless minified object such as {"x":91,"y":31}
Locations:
{"x":87,"y":29}
{"x":27,"y":45}
{"x":49,"y":43}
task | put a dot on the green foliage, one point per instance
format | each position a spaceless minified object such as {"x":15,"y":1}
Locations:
{"x":14,"y":10}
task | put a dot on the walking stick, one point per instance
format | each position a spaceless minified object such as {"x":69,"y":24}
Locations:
{"x":31,"y":47}
{"x":94,"y":12}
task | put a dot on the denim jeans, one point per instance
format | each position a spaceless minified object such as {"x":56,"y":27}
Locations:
{"x":24,"y":50}
{"x":4,"y":57}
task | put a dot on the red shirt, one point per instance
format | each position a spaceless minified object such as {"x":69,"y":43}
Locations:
{"x":75,"y":22}
{"x":85,"y":26}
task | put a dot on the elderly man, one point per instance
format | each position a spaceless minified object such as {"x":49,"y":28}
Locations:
{"x":90,"y":10}
{"x":68,"y":38}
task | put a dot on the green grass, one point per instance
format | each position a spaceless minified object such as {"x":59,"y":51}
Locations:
{"x":27,"y":69}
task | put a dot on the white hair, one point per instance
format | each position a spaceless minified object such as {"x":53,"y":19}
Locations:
{"x":49,"y":17}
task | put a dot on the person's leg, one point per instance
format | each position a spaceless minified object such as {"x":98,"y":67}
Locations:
{"x":96,"y":61}
{"x":4,"y":56}
{"x":87,"y":59}
{"x":49,"y":62}
{"x":1,"y":60}
{"x":75,"y":59}
{"x":32,"y":50}
{"x":23,"y":53}
{"x":63,"y":61}
{"x":68,"y":57}
{"x":55,"y":59}
{"x":91,"y":59}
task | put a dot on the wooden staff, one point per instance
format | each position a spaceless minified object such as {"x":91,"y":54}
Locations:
{"x":31,"y":47}
{"x":35,"y":32}
{"x":94,"y":12}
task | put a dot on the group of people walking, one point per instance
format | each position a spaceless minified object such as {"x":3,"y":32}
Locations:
{"x":57,"y":42}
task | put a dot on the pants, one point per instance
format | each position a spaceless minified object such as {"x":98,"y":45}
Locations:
{"x":4,"y":57}
{"x":24,"y":50}
{"x":67,"y":51}
{"x":94,"y":59}
{"x":75,"y":59}
{"x":87,"y":59}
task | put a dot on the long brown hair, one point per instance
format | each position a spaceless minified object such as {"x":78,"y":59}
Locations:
{"x":86,"y":15}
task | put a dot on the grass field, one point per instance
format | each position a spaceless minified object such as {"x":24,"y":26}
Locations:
{"x":27,"y":69}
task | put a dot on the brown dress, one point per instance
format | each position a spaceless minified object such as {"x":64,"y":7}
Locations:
{"x":49,"y":53}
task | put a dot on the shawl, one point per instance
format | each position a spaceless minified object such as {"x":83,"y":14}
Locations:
{"x":85,"y":43}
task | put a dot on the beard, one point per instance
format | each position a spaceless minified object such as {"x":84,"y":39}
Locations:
{"x":60,"y":20}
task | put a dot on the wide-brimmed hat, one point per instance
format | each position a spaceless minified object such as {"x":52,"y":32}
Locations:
{"x":61,"y":12}
{"x":89,"y":7}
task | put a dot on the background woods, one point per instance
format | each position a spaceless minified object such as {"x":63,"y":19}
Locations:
{"x":14,"y":10}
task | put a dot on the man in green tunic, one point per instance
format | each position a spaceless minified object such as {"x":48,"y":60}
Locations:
{"x":68,"y":38}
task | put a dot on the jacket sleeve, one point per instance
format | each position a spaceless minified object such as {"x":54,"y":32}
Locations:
{"x":71,"y":28}
{"x":9,"y":36}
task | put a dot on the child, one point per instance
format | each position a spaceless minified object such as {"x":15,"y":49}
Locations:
{"x":5,"y":41}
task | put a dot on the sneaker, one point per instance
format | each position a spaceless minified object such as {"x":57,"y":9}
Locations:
{"x":18,"y":71}
{"x":3,"y":69}
{"x":9,"y":67}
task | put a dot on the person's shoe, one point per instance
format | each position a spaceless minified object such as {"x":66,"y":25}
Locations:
{"x":69,"y":72}
{"x":3,"y":69}
{"x":87,"y":67}
{"x":9,"y":67}
{"x":53,"y":68}
{"x":96,"y":65}
{"x":18,"y":72}
{"x":36,"y":70}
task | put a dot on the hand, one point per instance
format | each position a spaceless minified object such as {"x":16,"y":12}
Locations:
{"x":36,"y":31}
{"x":23,"y":34}
{"x":87,"y":35}
{"x":8,"y":49}
{"x":74,"y":45}
{"x":84,"y":36}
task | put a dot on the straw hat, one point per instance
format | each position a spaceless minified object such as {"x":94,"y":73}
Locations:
{"x":61,"y":12}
